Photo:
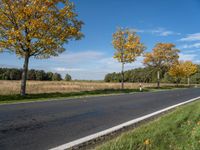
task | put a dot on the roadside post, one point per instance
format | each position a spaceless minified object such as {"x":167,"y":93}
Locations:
{"x":140,"y":87}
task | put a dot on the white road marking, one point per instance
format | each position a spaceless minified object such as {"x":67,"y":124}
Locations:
{"x":118,"y":127}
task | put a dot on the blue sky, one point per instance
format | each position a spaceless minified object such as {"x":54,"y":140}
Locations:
{"x":176,"y":21}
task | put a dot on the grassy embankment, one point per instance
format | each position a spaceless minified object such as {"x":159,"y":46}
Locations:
{"x":177,"y":130}
{"x":45,"y":90}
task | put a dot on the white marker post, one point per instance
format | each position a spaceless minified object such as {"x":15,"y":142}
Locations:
{"x":140,"y":87}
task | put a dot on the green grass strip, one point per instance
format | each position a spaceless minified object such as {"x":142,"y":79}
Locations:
{"x":15,"y":98}
{"x":177,"y":130}
{"x":49,"y":96}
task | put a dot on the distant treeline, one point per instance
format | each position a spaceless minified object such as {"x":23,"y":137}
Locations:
{"x":149,"y":75}
{"x":40,"y":75}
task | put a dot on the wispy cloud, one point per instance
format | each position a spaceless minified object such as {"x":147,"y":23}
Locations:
{"x":62,"y":69}
{"x":191,"y":37}
{"x":156,"y":31}
{"x":79,"y":57}
{"x":94,"y":66}
{"x":109,"y":64}
{"x":195,"y":45}
{"x":192,"y":51}
{"x":8,"y":66}
{"x":188,"y":57}
{"x":138,"y":30}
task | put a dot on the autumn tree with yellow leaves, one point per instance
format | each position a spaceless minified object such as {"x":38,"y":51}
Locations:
{"x":189,"y":69}
{"x":183,"y":69}
{"x":163,"y":55}
{"x":37,"y":28}
{"x":177,"y":71}
{"x":128,"y":47}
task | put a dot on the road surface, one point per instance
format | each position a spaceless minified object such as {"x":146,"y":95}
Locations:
{"x":44,"y":125}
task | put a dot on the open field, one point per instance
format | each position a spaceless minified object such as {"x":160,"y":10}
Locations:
{"x":51,"y":90}
{"x":177,"y":130}
{"x":35,"y":87}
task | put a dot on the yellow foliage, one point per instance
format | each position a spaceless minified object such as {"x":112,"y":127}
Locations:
{"x":176,"y":70}
{"x":163,"y":54}
{"x":127,"y":45}
{"x":37,"y":27}
{"x":189,"y":68}
{"x":182,"y":69}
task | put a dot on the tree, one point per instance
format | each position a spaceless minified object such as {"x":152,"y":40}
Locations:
{"x":196,"y":77}
{"x":177,"y":71}
{"x":163,"y":55}
{"x":68,"y":77}
{"x":107,"y":77}
{"x":148,"y":75}
{"x":183,"y":69}
{"x":56,"y":77}
{"x":49,"y":76}
{"x":189,"y":69}
{"x":32,"y":74}
{"x":14,"y":74}
{"x":128,"y":48}
{"x":37,"y":28}
{"x":40,"y":75}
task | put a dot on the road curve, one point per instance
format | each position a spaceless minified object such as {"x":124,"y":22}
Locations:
{"x":44,"y":125}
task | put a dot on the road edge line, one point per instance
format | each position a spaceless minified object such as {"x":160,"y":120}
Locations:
{"x":118,"y":127}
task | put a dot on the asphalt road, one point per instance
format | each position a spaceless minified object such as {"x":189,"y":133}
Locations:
{"x":44,"y":125}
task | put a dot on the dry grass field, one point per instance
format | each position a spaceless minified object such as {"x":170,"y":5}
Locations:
{"x":13,"y":87}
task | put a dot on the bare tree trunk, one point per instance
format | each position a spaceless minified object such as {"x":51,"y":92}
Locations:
{"x":24,"y":75}
{"x":188,"y":81}
{"x":122,"y":77}
{"x":158,"y":79}
{"x":177,"y":82}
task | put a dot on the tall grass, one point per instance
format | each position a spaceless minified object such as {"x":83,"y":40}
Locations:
{"x":35,"y":87}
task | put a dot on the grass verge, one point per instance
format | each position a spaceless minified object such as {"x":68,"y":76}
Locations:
{"x":15,"y":98}
{"x":177,"y":130}
{"x":49,"y":96}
